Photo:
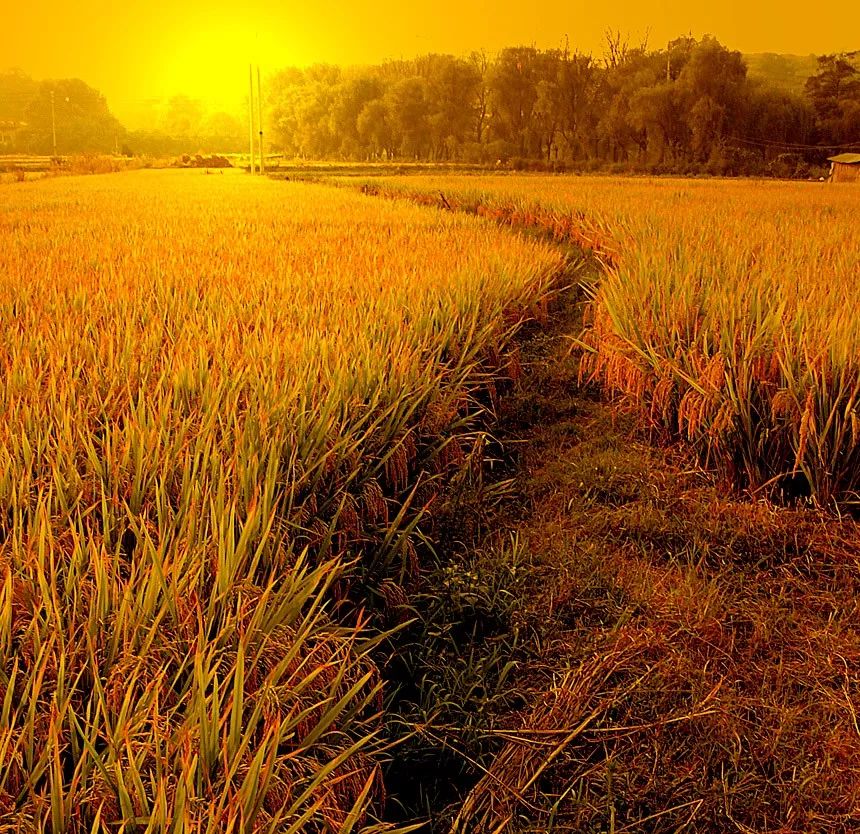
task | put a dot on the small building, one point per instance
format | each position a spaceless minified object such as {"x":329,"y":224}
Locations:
{"x":845,"y":167}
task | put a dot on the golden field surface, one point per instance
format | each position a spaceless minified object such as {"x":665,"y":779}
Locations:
{"x":726,"y":310}
{"x":216,"y":392}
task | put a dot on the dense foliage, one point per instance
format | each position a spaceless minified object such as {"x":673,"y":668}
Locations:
{"x":33,"y":112}
{"x":689,"y":107}
{"x":725,"y":313}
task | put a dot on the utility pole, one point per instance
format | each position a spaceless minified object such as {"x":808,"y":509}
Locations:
{"x":53,"y":123}
{"x":260,"y":121}
{"x":251,"y":113}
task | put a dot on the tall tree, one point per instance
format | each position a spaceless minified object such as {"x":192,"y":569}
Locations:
{"x":350,"y":98}
{"x":451,"y":88}
{"x":835,"y":94}
{"x":481,"y":105}
{"x":513,"y":85}
{"x":836,"y":81}
{"x":408,"y":104}
{"x":80,"y":113}
{"x":375,"y":128}
{"x":183,"y":116}
{"x":580,"y":82}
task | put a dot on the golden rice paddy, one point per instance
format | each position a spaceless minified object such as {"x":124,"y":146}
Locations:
{"x":225,"y":405}
{"x":726,"y":311}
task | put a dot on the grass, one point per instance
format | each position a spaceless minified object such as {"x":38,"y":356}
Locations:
{"x":230,"y":407}
{"x":24,"y":168}
{"x":723,"y":314}
{"x":262,"y":568}
{"x":654,"y":654}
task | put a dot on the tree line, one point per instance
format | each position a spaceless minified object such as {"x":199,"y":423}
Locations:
{"x":33,"y":112}
{"x":29,"y":111}
{"x":689,"y":107}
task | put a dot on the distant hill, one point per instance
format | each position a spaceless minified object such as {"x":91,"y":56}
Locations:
{"x":787,"y":72}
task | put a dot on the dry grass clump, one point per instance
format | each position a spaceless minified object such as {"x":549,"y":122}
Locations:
{"x":218,"y":393}
{"x":725,"y":312}
{"x":93,"y":163}
{"x":736,"y":708}
{"x":684,"y":661}
{"x":697,"y":668}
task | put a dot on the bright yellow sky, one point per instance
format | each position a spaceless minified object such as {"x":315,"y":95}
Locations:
{"x":133,"y":52}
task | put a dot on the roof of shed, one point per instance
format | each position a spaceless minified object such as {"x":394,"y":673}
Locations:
{"x":845,"y":158}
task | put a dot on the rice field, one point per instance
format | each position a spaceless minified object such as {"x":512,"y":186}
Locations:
{"x":230,"y":409}
{"x":726,"y":312}
{"x":227,"y":406}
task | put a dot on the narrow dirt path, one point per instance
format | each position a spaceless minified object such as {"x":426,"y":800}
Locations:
{"x":635,"y":649}
{"x":612,"y":642}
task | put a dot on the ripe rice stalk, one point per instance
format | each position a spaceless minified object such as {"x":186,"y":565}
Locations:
{"x":745,"y":293}
{"x":205,"y":381}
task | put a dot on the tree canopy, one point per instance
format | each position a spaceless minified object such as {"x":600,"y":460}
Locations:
{"x":692,"y":106}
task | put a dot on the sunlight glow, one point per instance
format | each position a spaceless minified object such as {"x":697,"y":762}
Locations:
{"x":137,"y":53}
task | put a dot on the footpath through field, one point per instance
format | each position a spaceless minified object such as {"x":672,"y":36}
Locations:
{"x":635,"y":649}
{"x":686,"y":660}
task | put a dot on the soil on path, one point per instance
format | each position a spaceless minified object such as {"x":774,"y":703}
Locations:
{"x":627,"y":647}
{"x":613,"y":642}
